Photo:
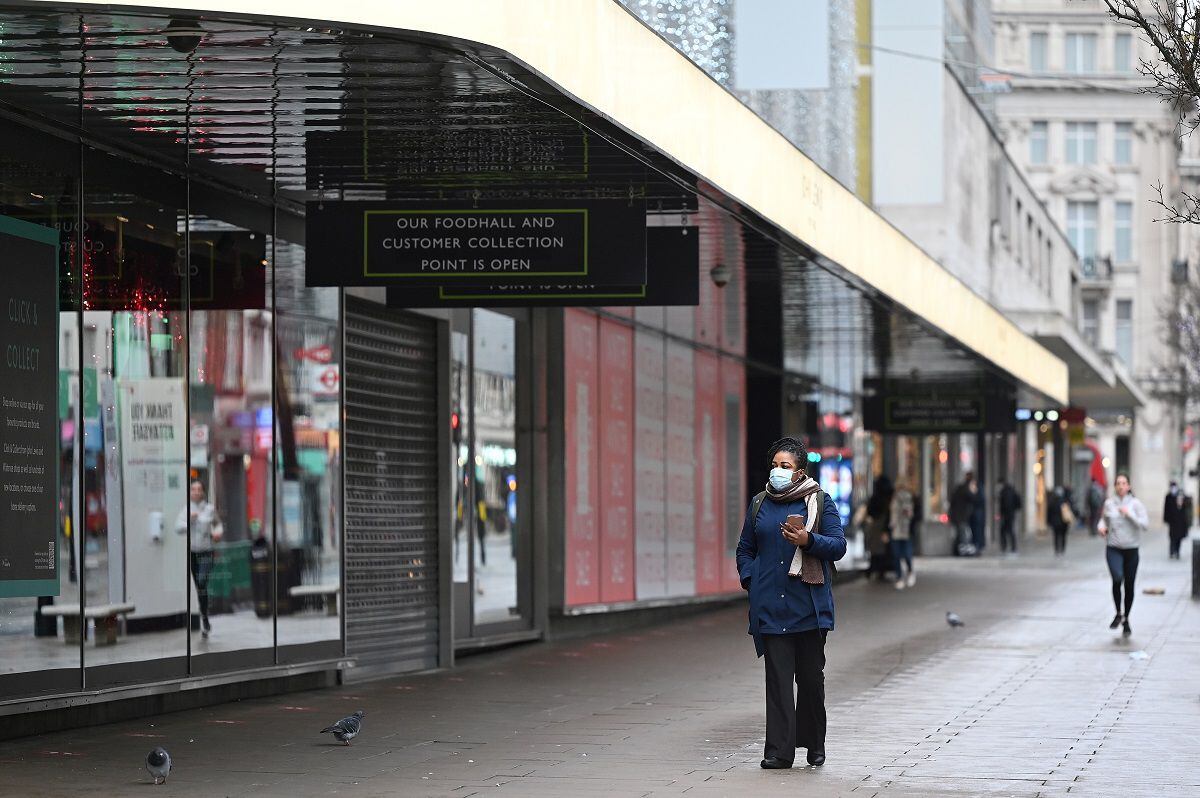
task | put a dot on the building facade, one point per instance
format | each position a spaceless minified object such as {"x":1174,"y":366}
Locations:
{"x":1095,"y":149}
{"x":257,"y":461}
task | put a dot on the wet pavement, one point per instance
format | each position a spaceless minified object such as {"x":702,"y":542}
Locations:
{"x":1033,"y":697}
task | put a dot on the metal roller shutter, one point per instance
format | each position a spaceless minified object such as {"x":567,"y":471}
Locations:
{"x":391,"y":584}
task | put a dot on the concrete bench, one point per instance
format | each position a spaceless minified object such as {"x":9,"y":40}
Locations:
{"x":105,"y":616}
{"x":329,"y":592}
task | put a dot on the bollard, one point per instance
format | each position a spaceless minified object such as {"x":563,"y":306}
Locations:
{"x":1196,"y":569}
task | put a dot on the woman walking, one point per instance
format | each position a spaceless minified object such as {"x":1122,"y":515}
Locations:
{"x":206,"y":530}
{"x":791,"y":536}
{"x":875,"y":527}
{"x":1059,"y":518}
{"x":1122,"y":523}
{"x":901,"y":541}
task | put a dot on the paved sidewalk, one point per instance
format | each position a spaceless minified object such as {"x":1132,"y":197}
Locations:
{"x":1035,"y":697}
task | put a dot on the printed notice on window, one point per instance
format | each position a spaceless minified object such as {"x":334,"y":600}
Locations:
{"x":29,"y":534}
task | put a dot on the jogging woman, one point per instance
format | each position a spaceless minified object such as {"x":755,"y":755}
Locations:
{"x":1122,"y":523}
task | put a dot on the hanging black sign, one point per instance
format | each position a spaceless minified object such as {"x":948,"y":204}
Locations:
{"x":672,"y":278}
{"x":909,"y":407}
{"x":29,"y":408}
{"x":483,"y":244}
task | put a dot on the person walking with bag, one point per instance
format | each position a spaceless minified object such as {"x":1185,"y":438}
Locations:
{"x":1059,"y":518}
{"x":962,"y":507}
{"x":790,"y":539}
{"x":1010,"y":504}
{"x":901,"y":543}
{"x":1123,"y":521}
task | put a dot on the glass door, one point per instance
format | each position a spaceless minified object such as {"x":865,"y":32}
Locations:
{"x":491,"y":542}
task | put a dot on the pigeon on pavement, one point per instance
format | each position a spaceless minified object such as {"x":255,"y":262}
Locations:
{"x":953,"y":619}
{"x":158,"y":764}
{"x":347,"y":728}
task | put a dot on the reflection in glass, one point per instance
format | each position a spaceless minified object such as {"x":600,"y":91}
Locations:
{"x":494,"y":467}
{"x":460,"y":442}
{"x":308,"y":448}
{"x":134,"y":435}
{"x":38,"y":185}
{"x":231,"y":440}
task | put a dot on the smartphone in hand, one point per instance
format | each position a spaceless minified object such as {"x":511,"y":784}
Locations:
{"x":796,"y":520}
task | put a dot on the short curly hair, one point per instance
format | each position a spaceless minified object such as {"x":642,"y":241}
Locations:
{"x":793,"y":446}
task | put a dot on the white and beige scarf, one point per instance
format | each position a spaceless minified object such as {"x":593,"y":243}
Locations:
{"x":806,"y":567}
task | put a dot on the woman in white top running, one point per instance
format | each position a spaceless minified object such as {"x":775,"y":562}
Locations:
{"x":1122,"y":523}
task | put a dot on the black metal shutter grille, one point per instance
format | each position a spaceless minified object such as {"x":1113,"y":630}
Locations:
{"x":391,"y":489}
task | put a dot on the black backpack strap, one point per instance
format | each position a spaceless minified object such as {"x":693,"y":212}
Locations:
{"x":821,"y":503}
{"x":756,"y":504}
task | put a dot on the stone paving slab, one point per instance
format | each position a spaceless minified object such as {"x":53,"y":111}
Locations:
{"x":1034,"y":697}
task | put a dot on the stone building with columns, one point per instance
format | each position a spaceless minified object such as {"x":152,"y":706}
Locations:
{"x":1096,"y":149}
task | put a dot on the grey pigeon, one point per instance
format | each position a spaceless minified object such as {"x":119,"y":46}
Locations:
{"x":158,"y":764}
{"x":347,"y":728}
{"x":953,"y":619}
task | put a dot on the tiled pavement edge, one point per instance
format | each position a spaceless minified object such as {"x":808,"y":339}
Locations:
{"x":1034,"y":697}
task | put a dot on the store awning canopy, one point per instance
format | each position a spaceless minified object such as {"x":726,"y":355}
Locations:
{"x":267,"y":94}
{"x":1098,"y":381}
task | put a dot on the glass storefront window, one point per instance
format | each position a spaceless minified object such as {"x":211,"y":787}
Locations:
{"x":135,"y":343}
{"x":230,"y":490}
{"x":489,"y":550}
{"x":495,"y":467}
{"x":308,"y":448}
{"x":199,"y":427}
{"x":39,"y":184}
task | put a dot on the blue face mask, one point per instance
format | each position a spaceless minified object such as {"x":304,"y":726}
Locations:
{"x":781,"y":478}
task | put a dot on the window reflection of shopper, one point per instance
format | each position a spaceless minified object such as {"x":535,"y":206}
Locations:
{"x":1122,"y":524}
{"x":206,"y":530}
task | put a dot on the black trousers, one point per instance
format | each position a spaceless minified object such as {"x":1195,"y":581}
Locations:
{"x":1176,"y":540}
{"x":1060,"y":538}
{"x":202,"y":563}
{"x":1008,"y":537}
{"x":795,"y":665}
{"x":1123,"y":567}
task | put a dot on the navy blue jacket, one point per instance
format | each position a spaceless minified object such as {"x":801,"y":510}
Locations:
{"x":782,"y":604}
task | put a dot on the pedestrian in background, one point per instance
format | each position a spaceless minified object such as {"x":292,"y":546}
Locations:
{"x":1177,"y":515}
{"x":876,"y":527}
{"x":1010,"y":504}
{"x":901,"y":514}
{"x":206,"y":530}
{"x":979,"y":520}
{"x":790,"y":538}
{"x":1123,"y":522}
{"x":1095,"y":504}
{"x":962,"y":506}
{"x":1059,"y":518}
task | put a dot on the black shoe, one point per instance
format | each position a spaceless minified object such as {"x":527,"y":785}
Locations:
{"x":1116,"y":621}
{"x":774,"y":763}
{"x":816,"y":757}
{"x":1125,"y":630}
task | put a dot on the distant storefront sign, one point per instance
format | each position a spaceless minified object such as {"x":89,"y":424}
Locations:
{"x":481,"y":244}
{"x":672,"y":278}
{"x":907,"y":408}
{"x":926,"y":412}
{"x":519,"y":154}
{"x":29,"y":386}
